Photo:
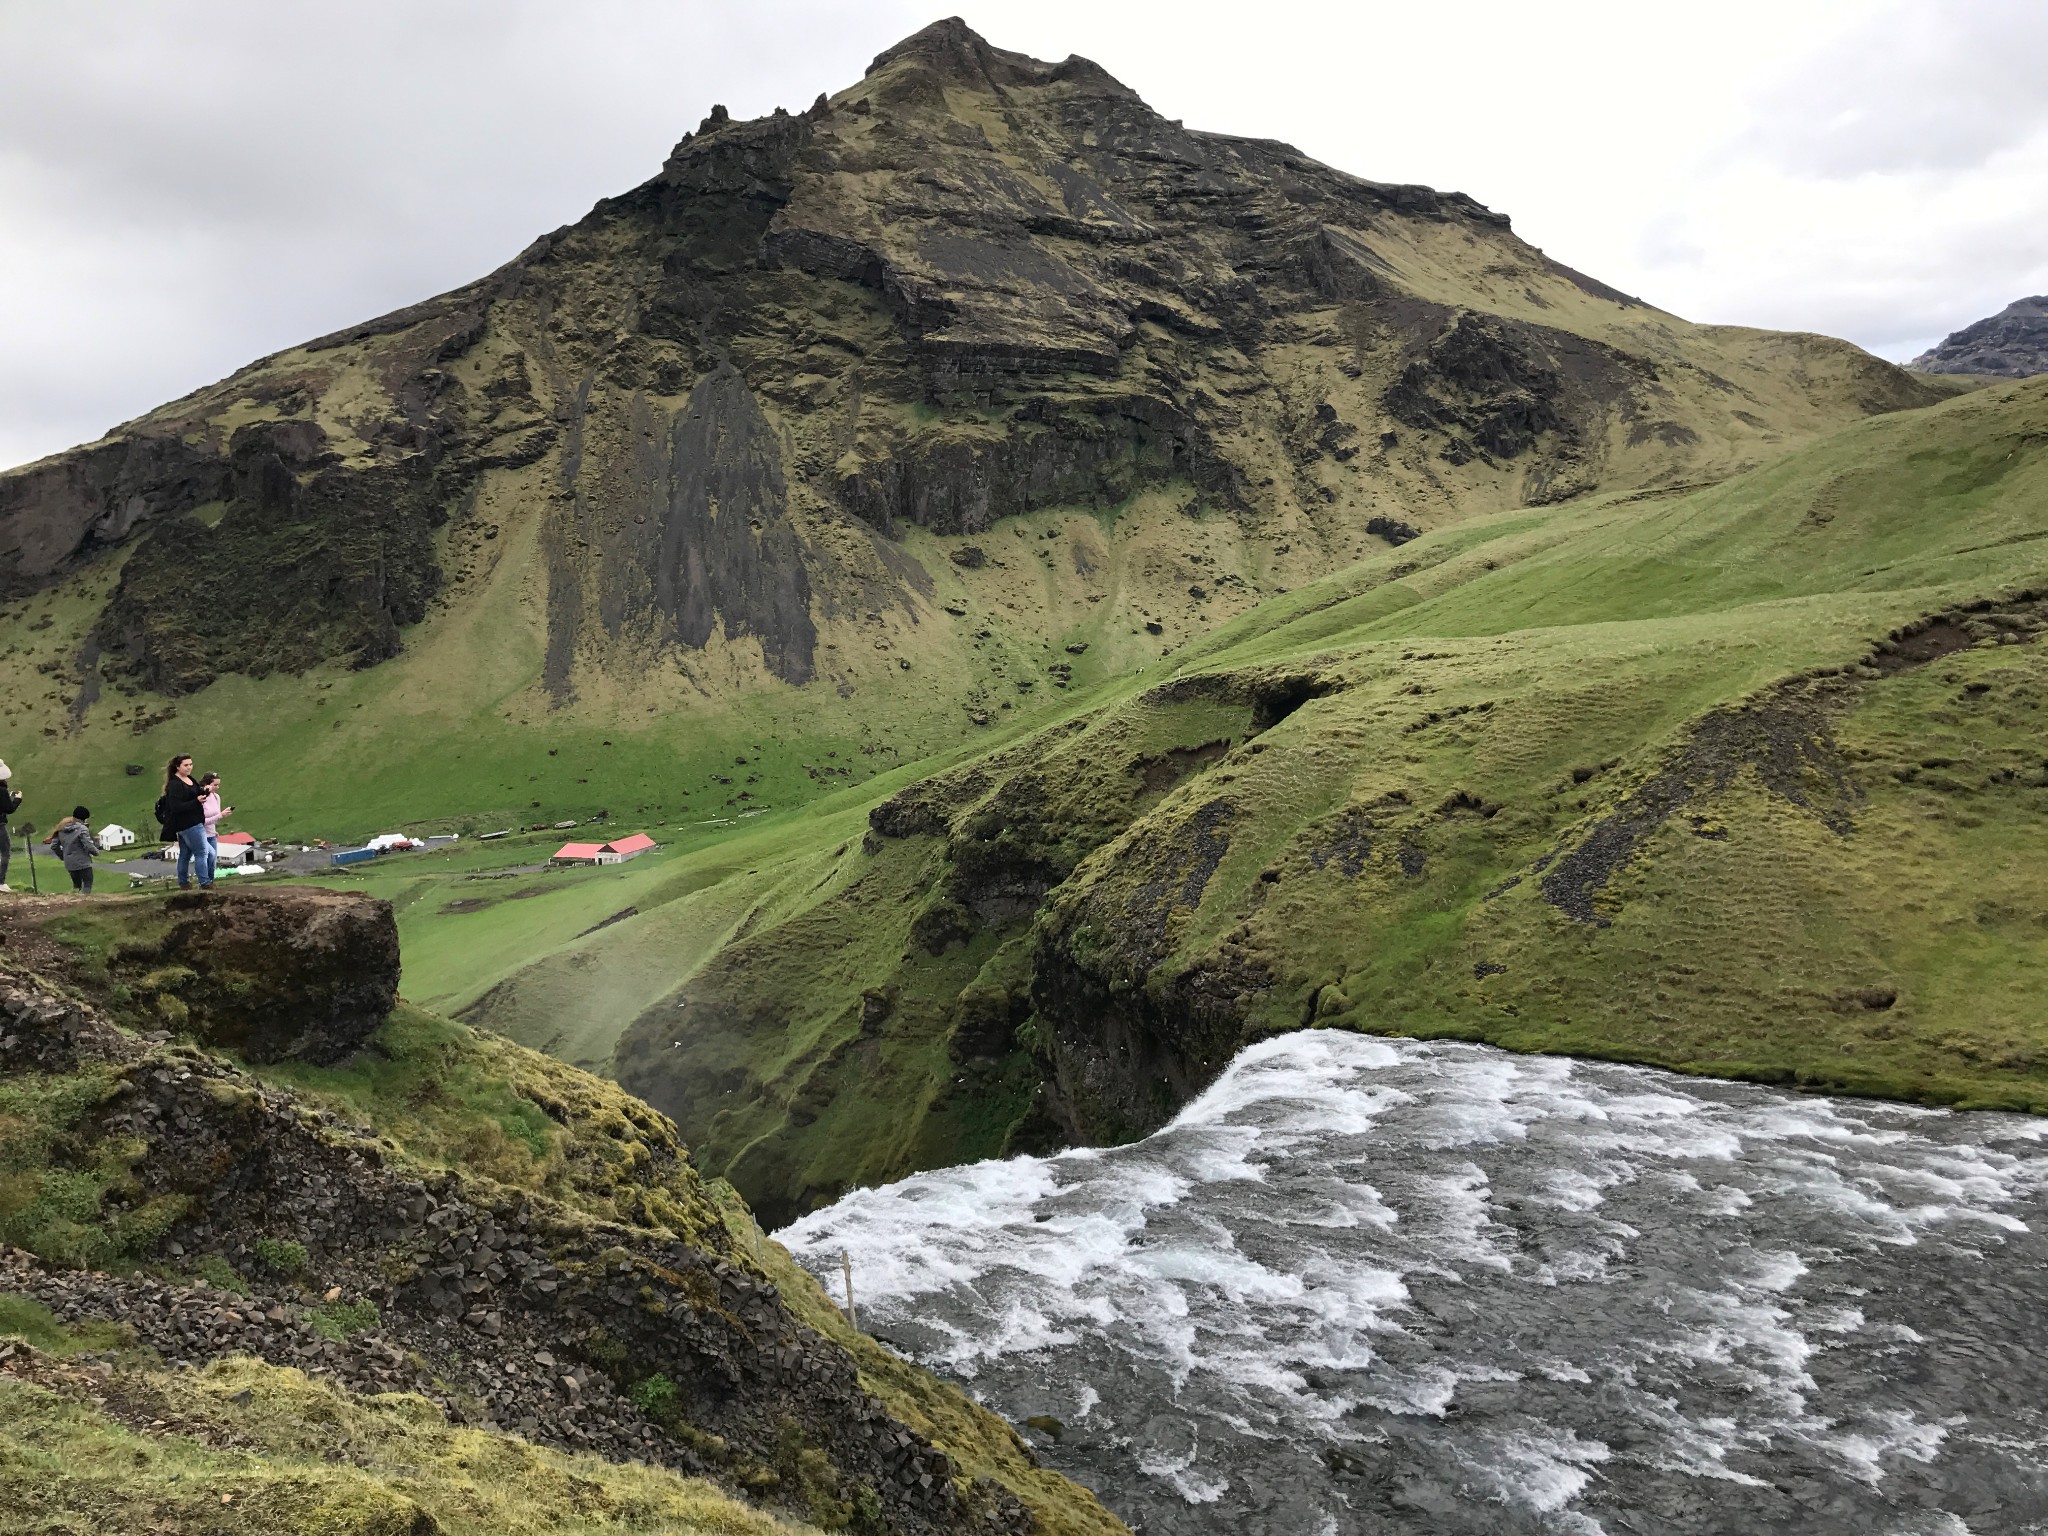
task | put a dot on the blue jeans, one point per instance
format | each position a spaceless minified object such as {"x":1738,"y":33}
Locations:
{"x":193,"y":849}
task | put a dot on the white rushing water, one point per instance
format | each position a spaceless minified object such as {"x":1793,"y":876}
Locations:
{"x":1367,"y":1284}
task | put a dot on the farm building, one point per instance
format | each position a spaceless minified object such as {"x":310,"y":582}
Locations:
{"x":237,"y":848}
{"x":603,"y":853}
{"x":114,"y":835}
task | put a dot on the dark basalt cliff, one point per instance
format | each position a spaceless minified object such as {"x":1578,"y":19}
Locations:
{"x":2011,"y":344}
{"x":973,"y":285}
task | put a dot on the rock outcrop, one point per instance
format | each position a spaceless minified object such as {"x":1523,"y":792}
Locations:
{"x":285,"y":973}
{"x":2011,"y":344}
{"x":332,"y":1249}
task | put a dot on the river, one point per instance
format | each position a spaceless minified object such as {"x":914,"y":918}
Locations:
{"x":1367,"y":1285}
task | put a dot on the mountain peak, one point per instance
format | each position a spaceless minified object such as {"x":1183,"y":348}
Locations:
{"x":975,"y":287}
{"x":2011,"y":344}
{"x":953,"y":50}
{"x":946,"y":43}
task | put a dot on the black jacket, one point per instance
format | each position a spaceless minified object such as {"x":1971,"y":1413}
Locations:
{"x":183,"y":806}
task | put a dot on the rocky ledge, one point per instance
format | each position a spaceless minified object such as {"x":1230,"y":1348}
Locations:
{"x":207,"y":1211}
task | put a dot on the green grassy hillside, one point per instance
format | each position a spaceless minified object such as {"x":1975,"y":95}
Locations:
{"x":250,"y":1448}
{"x":1572,"y":658}
{"x":1345,"y":795}
{"x":1746,"y":779}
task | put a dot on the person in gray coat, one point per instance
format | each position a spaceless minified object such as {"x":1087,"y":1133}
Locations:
{"x":73,"y":842}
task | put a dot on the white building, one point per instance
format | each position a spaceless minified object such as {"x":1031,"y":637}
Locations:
{"x":113,"y":835}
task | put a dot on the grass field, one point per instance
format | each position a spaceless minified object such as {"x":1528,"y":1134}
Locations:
{"x":67,"y":1463}
{"x":457,"y":734}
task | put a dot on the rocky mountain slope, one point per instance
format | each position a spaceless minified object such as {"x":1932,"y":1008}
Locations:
{"x":2011,"y":344}
{"x":854,"y":430}
{"x":279,"y":1253}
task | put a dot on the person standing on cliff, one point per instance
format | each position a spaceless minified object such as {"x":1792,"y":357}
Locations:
{"x":209,"y":800}
{"x":10,"y":802}
{"x":181,"y":814}
{"x":72,"y":843}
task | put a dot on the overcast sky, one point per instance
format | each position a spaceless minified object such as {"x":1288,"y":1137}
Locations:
{"x":188,"y":184}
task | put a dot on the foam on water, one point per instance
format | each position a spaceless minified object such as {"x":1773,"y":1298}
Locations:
{"x":1365,"y":1284}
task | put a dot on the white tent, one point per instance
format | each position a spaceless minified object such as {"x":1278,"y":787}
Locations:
{"x":114,"y":835}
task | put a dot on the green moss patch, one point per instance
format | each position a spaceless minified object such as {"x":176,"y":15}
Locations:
{"x":308,"y":1459}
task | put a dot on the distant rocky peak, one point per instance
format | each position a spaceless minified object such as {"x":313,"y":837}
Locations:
{"x":2011,"y":344}
{"x":958,"y":55}
{"x":949,"y":45}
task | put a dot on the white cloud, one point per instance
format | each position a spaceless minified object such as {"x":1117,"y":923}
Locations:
{"x":1933,"y":86}
{"x":1888,"y":183}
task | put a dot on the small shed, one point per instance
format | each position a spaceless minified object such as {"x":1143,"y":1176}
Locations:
{"x":114,"y":835}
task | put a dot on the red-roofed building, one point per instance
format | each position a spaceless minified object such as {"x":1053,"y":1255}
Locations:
{"x":603,"y":853}
{"x":237,"y":849}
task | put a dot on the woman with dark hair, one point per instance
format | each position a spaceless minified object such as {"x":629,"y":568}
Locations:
{"x":181,"y":814}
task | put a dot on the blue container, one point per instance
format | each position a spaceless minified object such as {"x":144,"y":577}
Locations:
{"x":355,"y":855}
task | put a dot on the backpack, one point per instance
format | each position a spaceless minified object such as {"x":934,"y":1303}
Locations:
{"x":163,"y":808}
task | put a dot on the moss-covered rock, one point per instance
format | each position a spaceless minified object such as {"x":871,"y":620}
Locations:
{"x":278,"y":974}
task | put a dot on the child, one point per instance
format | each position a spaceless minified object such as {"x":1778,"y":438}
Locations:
{"x":209,"y":802}
{"x":74,"y":845}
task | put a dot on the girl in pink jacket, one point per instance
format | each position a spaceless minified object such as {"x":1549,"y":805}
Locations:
{"x":209,"y":801}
